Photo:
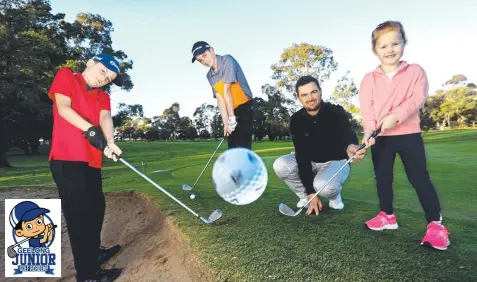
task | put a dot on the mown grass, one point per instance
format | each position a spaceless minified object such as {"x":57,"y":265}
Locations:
{"x":256,"y":243}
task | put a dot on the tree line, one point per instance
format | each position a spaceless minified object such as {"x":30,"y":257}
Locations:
{"x":35,"y":44}
{"x":453,"y":106}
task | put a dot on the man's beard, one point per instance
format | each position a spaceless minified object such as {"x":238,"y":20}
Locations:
{"x":316,"y":108}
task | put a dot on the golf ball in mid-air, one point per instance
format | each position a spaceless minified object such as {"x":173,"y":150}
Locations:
{"x":240,"y":176}
{"x":192,"y":196}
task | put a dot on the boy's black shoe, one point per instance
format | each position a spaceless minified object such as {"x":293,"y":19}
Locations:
{"x":105,"y":254}
{"x":106,"y":275}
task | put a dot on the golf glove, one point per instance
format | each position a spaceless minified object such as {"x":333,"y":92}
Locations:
{"x":232,"y":123}
{"x":95,"y":138}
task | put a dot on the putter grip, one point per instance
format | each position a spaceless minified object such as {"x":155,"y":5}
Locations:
{"x":375,"y":133}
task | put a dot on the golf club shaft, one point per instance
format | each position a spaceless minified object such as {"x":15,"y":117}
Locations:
{"x":157,"y":186}
{"x":347,"y":162}
{"x":21,"y":242}
{"x":208,"y":162}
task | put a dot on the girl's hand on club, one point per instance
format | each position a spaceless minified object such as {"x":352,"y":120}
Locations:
{"x":315,"y":205}
{"x":388,"y":122}
{"x":368,"y":140}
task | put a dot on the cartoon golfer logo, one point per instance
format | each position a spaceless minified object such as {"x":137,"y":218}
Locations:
{"x":33,"y":232}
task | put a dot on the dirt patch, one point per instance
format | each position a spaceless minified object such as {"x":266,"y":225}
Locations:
{"x":153,"y":249}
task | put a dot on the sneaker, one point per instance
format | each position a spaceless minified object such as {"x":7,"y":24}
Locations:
{"x":106,"y":275}
{"x":382,"y":221}
{"x":336,"y":203}
{"x":436,"y":237}
{"x":105,"y":254}
{"x":302,"y":203}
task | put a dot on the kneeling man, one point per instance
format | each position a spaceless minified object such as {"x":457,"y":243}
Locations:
{"x":323,"y":141}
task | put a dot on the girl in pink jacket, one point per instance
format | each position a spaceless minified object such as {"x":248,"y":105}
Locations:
{"x":390,"y":98}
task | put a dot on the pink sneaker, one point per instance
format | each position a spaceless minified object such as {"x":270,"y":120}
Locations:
{"x":436,"y":237}
{"x":382,"y":221}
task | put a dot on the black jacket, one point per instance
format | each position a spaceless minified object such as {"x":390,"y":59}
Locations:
{"x":320,"y":138}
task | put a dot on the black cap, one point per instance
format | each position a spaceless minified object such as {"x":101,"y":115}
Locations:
{"x":198,"y":48}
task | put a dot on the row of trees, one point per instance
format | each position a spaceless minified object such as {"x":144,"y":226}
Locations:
{"x":455,"y":105}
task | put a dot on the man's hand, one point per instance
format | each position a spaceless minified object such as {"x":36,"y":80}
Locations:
{"x":314,"y":205}
{"x":95,"y":138}
{"x":110,"y":149}
{"x":359,"y":155}
{"x":388,"y":122}
{"x":232,"y":123}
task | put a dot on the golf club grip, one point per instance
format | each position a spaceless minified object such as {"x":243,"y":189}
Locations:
{"x":374,"y":135}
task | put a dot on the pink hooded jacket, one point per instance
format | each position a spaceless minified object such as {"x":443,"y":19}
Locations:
{"x":403,"y":96}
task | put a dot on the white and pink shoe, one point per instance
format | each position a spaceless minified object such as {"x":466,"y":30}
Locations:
{"x":436,"y":237}
{"x":381,"y":222}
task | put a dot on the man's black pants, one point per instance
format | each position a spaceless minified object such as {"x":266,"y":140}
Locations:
{"x":242,"y":135}
{"x":83,"y":205}
{"x":411,"y":149}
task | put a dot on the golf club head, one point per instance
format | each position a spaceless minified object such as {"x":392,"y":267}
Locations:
{"x":286,"y":210}
{"x":213,"y":216}
{"x":11,"y":252}
{"x":186,"y":187}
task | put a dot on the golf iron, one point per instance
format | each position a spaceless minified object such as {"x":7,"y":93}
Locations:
{"x":215,"y":215}
{"x":187,"y":187}
{"x":286,"y":210}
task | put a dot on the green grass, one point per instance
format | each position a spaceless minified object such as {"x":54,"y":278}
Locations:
{"x":256,"y":243}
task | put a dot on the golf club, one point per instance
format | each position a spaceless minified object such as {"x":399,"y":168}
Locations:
{"x":11,"y":249}
{"x":286,"y":210}
{"x":187,"y":187}
{"x":216,"y":214}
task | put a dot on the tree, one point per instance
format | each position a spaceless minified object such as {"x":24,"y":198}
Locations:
{"x":35,"y":44}
{"x":168,"y":123}
{"x":259,"y":118}
{"x":127,"y":112}
{"x":456,"y":79}
{"x":203,"y":116}
{"x":303,"y":59}
{"x":277,"y":114}
{"x":345,"y":93}
{"x":217,"y":125}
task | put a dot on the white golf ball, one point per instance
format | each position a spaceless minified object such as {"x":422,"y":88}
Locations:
{"x":192,"y":196}
{"x":240,"y":176}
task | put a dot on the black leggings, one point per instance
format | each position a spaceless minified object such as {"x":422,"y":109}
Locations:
{"x":410,"y":148}
{"x":83,"y":205}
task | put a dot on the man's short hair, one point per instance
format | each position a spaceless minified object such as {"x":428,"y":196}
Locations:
{"x":305,"y":80}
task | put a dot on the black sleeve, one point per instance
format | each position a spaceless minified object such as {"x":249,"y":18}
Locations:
{"x":305,"y":171}
{"x":349,"y":135}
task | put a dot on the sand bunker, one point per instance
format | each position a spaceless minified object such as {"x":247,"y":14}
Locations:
{"x":152,"y":247}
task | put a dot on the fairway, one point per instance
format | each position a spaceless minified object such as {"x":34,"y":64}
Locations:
{"x":256,"y":243}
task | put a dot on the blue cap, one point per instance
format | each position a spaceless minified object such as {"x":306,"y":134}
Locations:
{"x":198,"y":48}
{"x":25,"y":211}
{"x":112,"y":64}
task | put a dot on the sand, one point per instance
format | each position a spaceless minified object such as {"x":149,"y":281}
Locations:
{"x":153,"y":249}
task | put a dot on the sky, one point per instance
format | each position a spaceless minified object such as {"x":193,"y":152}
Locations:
{"x":158,"y":37}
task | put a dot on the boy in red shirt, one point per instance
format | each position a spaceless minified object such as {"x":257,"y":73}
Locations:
{"x":82,"y":132}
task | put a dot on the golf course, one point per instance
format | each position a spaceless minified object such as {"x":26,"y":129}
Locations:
{"x":256,"y":243}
